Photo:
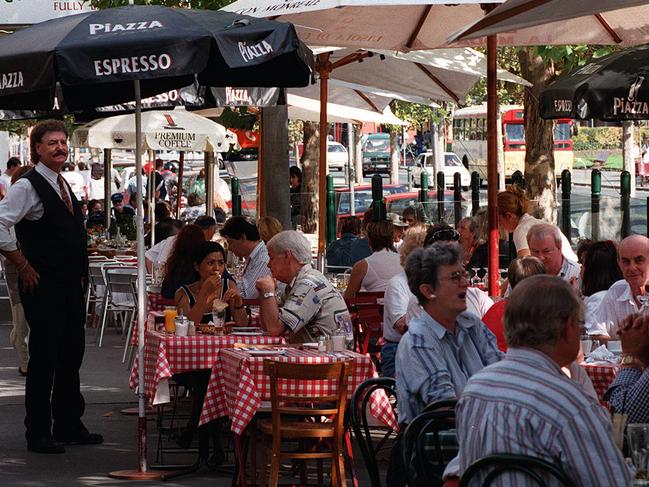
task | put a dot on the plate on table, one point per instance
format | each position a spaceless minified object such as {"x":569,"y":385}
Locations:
{"x":245,"y":328}
{"x":266,"y":351}
{"x":247,"y":333}
{"x":312,"y":345}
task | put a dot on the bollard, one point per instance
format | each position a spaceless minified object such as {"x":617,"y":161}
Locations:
{"x":409,"y":172}
{"x":475,"y":192}
{"x":423,"y":193}
{"x":236,"y":197}
{"x":625,"y":203}
{"x":595,"y":195}
{"x":441,"y":186}
{"x":457,"y":197}
{"x":378,"y":203}
{"x":331,"y":210}
{"x":566,"y":186}
{"x":518,"y":179}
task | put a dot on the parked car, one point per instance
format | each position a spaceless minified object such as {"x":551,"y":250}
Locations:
{"x":397,"y":198}
{"x":452,"y":164}
{"x":337,"y":157}
{"x":376,"y":153}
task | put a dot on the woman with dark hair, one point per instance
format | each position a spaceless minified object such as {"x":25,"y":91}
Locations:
{"x":373,"y":273}
{"x":599,"y":271}
{"x":180,"y":267}
{"x":196,"y":299}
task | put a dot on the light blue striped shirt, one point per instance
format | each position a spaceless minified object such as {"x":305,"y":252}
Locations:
{"x":526,"y":405}
{"x":432,"y":363}
{"x":256,"y":267}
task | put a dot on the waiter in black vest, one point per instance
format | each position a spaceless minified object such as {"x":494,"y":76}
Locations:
{"x":52,"y":266}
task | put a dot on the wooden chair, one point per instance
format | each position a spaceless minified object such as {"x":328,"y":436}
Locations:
{"x":366,"y":311}
{"x":495,"y":465}
{"x":287,"y":406}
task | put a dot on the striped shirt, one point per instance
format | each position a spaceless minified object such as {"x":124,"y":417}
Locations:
{"x":526,"y":405}
{"x":256,"y":267}
{"x":629,"y":394}
{"x":432,"y":363}
{"x":617,"y":304}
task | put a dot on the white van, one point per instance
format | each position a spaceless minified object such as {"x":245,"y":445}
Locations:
{"x":452,"y":164}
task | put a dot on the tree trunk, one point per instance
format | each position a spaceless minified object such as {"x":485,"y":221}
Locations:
{"x":539,"y":142}
{"x":310,"y":175}
{"x":628,"y":154}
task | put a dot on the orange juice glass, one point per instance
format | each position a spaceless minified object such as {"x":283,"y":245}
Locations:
{"x":170,"y":316}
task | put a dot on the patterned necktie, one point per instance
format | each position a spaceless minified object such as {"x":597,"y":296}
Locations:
{"x":64,"y":194}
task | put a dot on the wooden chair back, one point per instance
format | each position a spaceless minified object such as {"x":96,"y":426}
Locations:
{"x":284,"y":403}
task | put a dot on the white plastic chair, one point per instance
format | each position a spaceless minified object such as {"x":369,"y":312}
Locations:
{"x":120,"y":298}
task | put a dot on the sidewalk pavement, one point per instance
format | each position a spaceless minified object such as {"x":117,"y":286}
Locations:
{"x":104,"y":383}
{"x":610,"y":179}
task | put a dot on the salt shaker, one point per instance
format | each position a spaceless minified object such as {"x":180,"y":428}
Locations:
{"x":322,"y":343}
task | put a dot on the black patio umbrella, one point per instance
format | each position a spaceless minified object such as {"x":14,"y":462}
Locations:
{"x":614,"y":87}
{"x":119,"y":55}
{"x":95,"y":56}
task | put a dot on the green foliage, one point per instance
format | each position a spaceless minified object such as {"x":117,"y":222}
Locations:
{"x":237,"y":118}
{"x":568,"y":58}
{"x":415,"y":114}
{"x":597,"y":138}
{"x":508,"y":93}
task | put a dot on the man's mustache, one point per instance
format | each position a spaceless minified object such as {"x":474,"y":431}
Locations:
{"x":60,"y":153}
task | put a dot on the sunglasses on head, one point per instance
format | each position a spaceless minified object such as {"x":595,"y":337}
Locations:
{"x":445,"y":234}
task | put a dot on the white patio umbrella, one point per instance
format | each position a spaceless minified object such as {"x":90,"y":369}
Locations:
{"x":401,"y":25}
{"x":546,"y":22}
{"x":166,"y":130}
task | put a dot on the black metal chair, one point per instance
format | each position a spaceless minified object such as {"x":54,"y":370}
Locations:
{"x":427,"y":446}
{"x":532,"y":467}
{"x":443,"y":404}
{"x":359,"y":421}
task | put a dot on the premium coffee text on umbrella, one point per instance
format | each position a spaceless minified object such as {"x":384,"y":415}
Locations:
{"x":134,"y":64}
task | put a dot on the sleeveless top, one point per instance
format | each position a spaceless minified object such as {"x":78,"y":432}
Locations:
{"x":207,"y":317}
{"x":381,"y":267}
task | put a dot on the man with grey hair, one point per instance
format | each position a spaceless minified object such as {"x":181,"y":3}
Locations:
{"x":545,"y":243}
{"x":311,"y":306}
{"x":526,"y":405}
{"x":625,"y":297}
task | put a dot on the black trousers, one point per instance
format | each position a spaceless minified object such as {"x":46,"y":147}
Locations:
{"x":56,"y":315}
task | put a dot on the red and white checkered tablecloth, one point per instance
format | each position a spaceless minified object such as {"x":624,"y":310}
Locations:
{"x":602,"y":377}
{"x":165,"y":355}
{"x":238,"y":385}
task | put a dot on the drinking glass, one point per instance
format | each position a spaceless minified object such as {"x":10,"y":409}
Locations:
{"x":638,"y":438}
{"x":170,"y":317}
{"x":586,"y":344}
{"x":218,"y":318}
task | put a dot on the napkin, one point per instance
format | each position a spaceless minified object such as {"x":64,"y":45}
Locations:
{"x":601,"y":354}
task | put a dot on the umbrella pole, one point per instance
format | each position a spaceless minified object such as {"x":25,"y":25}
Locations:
{"x":179,"y":190}
{"x":324,"y":67}
{"x":492,"y":166}
{"x":151,"y":194}
{"x":141,"y":473}
{"x":108,"y":164}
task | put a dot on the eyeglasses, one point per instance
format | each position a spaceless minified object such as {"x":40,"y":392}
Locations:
{"x":445,"y":234}
{"x":457,"y":277}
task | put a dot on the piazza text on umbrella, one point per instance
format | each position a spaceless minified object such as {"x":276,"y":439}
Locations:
{"x":11,"y":80}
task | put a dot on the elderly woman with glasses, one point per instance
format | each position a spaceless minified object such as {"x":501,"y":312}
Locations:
{"x":444,"y":346}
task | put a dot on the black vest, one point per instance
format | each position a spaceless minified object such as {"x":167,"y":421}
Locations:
{"x":56,"y":244}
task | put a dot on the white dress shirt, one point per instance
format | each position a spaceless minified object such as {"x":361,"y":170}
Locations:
{"x":617,"y":304}
{"x":477,"y":302}
{"x":22,"y":201}
{"x":398,"y":301}
{"x":160,"y":252}
{"x":76,"y":182}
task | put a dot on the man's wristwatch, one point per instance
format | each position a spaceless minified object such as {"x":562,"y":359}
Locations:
{"x":632,"y":362}
{"x":268,"y":294}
